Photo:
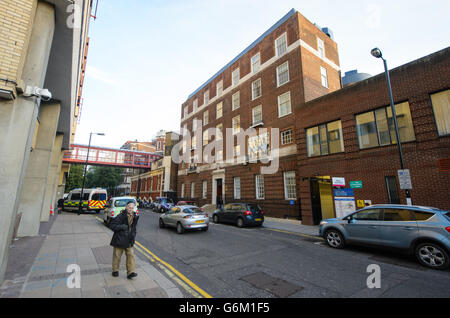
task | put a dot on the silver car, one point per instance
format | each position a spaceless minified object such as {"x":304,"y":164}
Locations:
{"x":422,"y":231}
{"x":186,"y":217}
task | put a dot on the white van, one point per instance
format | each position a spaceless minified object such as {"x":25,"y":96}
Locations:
{"x":93,"y":200}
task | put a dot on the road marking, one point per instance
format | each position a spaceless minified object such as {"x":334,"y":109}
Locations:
{"x":182,"y":280}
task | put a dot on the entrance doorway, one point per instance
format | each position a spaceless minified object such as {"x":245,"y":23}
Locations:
{"x":218,"y":189}
{"x":321,"y":199}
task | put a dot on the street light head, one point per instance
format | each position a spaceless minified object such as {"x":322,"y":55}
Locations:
{"x":376,"y":52}
{"x":101,"y":134}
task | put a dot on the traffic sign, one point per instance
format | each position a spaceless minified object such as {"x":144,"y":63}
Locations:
{"x":356,"y":184}
{"x":404,"y":178}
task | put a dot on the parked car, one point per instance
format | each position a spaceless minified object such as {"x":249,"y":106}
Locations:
{"x":186,"y":203}
{"x":93,"y":200}
{"x":422,"y":231}
{"x":186,"y":217}
{"x":241,"y":214}
{"x":115,"y":206}
{"x":162,"y":204}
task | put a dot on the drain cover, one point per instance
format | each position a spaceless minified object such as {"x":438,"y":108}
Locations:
{"x":276,"y":286}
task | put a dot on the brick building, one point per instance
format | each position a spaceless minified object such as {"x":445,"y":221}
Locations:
{"x":349,"y":133}
{"x":291,"y":63}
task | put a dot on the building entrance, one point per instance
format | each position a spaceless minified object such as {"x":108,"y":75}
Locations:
{"x":321,"y":199}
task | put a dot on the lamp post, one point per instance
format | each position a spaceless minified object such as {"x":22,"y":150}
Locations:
{"x":376,"y":52}
{"x":85,"y":168}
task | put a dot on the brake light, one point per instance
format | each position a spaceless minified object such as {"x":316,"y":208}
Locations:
{"x":262,"y":212}
{"x":137,"y":212}
{"x":112,"y":212}
{"x":448,"y":229}
{"x":248,"y":213}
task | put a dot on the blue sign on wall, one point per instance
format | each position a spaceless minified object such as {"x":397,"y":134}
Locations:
{"x":344,"y":193}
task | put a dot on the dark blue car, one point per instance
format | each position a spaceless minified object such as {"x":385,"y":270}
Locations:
{"x":241,"y":214}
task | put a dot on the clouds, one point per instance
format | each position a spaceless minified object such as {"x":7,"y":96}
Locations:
{"x":102,"y":76}
{"x":373,"y":16}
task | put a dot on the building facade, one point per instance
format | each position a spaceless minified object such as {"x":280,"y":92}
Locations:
{"x":43,"y":45}
{"x":354,"y":138}
{"x":291,"y":63}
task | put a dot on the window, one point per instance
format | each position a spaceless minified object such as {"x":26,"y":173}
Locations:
{"x":290,"y":192}
{"x":376,"y":128}
{"x":282,"y":74}
{"x":391,"y":186}
{"x":441,"y":109}
{"x":237,"y":187}
{"x":206,"y":118}
{"x":219,"y":156}
{"x":235,"y":77}
{"x":193,"y":190}
{"x":284,"y":104}
{"x":397,"y":215}
{"x":323,"y":75}
{"x":185,"y":112}
{"x":205,"y":137}
{"x":219,"y":88}
{"x":281,"y":45}
{"x":320,"y":48}
{"x":219,"y":135}
{"x":195,"y":105}
{"x":194,"y":125}
{"x":286,"y":137}
{"x":258,"y":147}
{"x":205,"y":189}
{"x":255,"y":63}
{"x":193,"y":142}
{"x":257,"y":115}
{"x":422,"y":216}
{"x":367,"y":215}
{"x":237,"y":151}
{"x":256,"y":89}
{"x":324,"y":139}
{"x":236,"y":123}
{"x":235,"y":101}
{"x":182,"y":190}
{"x":219,"y":110}
{"x":259,"y":181}
{"x":206,"y":98}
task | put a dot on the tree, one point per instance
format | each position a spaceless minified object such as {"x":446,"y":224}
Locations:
{"x":75,"y":178}
{"x":104,"y":177}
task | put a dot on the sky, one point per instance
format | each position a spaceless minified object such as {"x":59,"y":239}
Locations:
{"x":147,"y":56}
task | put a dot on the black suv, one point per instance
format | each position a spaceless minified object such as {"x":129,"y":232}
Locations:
{"x":241,"y":214}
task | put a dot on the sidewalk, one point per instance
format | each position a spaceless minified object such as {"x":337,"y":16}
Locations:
{"x":82,"y":240}
{"x":291,"y":226}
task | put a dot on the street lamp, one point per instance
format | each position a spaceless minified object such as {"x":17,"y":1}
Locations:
{"x":85,"y":167}
{"x":376,"y":52}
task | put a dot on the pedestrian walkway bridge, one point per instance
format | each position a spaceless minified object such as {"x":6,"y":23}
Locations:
{"x":100,"y":156}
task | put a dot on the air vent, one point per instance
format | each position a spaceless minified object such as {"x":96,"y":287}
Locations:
{"x":444,"y":164}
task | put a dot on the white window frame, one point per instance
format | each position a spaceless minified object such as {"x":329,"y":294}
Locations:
{"x":219,"y":134}
{"x":259,"y":187}
{"x":254,"y":122}
{"x":235,"y":77}
{"x":253,"y":88}
{"x":236,"y":124}
{"x":255,"y":63}
{"x":284,"y":135}
{"x":237,"y":187}
{"x":182,"y":189}
{"x":205,"y":189}
{"x":321,"y":48}
{"x":186,"y":112}
{"x":278,"y":74}
{"x":289,"y":187}
{"x":206,"y":98}
{"x":217,"y":110}
{"x":206,"y":118}
{"x":236,"y":101}
{"x":279,"y":105}
{"x":205,"y":139}
{"x":192,"y":189}
{"x":324,"y":76}
{"x":195,"y":105}
{"x":284,"y":38}
{"x":219,"y":88}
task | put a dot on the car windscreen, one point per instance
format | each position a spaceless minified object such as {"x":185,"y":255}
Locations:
{"x":123,"y":202}
{"x":253,"y":207}
{"x":99,"y":196}
{"x":192,"y":210}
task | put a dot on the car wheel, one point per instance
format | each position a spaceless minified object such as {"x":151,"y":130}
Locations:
{"x":432,"y":255}
{"x":334,"y":239}
{"x":180,"y":228}
{"x":161,"y":224}
{"x":240,"y":222}
{"x":215,"y":219}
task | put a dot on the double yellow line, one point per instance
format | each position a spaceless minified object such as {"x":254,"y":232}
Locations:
{"x":170,"y":271}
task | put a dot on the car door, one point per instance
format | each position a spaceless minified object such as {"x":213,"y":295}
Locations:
{"x":398,"y":228}
{"x":169,"y":217}
{"x":236,"y":211}
{"x":364,"y":226}
{"x":226,"y":214}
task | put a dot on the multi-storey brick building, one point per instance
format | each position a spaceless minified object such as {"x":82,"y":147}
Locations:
{"x":291,"y":63}
{"x":350,"y":134}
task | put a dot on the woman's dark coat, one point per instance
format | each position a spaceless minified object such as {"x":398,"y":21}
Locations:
{"x":123,"y":237}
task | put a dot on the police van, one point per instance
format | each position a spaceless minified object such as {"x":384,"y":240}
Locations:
{"x":93,"y":200}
